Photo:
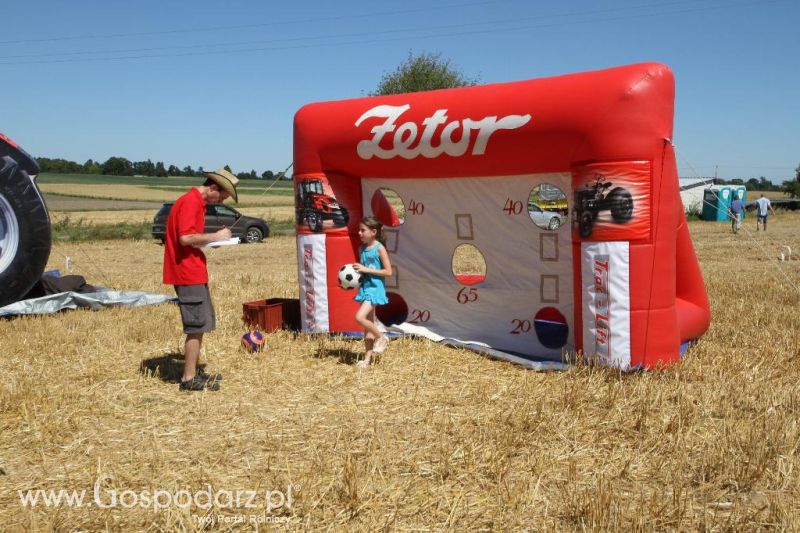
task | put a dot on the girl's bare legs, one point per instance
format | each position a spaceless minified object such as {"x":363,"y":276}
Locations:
{"x":369,"y":342}
{"x":365,"y":316}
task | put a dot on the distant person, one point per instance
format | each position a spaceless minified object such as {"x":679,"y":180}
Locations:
{"x":737,"y":212}
{"x":763,"y":205}
{"x":373,"y":266}
{"x":185,"y":268}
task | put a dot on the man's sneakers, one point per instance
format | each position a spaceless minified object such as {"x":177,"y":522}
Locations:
{"x":198,"y":383}
{"x":380,"y":344}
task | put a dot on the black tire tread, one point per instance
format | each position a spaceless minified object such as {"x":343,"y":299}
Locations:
{"x":33,"y":249}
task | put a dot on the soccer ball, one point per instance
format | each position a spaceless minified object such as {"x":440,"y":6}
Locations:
{"x":348,"y":277}
{"x":253,"y":341}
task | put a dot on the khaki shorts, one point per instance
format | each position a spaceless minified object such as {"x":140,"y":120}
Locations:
{"x":197,"y":311}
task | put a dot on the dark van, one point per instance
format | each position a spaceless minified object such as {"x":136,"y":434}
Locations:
{"x":248,"y":229}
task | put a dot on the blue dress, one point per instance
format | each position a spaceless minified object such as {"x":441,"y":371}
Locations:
{"x":372,"y":288}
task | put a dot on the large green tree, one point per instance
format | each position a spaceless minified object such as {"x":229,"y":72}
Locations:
{"x":424,"y":72}
{"x":792,"y":187}
{"x":117,"y":166}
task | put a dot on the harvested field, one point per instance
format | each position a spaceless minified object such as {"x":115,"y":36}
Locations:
{"x":138,"y":215}
{"x":752,"y":196}
{"x":105,"y":217}
{"x":150,"y":194}
{"x":431,"y":438}
{"x":57,"y":202}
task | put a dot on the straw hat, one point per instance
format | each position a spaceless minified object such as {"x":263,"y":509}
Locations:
{"x":226,"y":180}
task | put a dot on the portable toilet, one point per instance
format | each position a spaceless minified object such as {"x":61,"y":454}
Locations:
{"x":741,"y":192}
{"x":717,"y":203}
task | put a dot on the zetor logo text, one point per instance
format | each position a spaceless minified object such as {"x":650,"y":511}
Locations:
{"x":406,"y":134}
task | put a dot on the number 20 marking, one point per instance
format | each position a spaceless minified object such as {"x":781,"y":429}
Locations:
{"x":419,"y":316}
{"x":520,"y":326}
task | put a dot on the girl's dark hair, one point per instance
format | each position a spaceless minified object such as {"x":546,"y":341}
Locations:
{"x":374,"y":223}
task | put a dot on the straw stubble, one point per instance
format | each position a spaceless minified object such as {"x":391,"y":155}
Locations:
{"x":430,"y":438}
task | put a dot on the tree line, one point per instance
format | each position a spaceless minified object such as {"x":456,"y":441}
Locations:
{"x":752,"y":184}
{"x":788,"y":187}
{"x":119,"y":166}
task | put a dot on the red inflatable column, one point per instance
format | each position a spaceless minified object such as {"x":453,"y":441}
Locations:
{"x":327,"y":208}
{"x":343,"y":248}
{"x":612,"y":212}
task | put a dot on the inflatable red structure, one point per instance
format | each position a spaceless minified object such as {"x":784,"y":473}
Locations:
{"x":567,"y":187}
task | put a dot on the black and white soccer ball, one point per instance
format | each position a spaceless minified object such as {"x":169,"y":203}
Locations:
{"x":348,"y":277}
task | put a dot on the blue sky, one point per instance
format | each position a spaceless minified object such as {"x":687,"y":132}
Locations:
{"x":209,"y":83}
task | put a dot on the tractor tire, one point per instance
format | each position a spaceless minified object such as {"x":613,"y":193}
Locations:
{"x":25,"y":238}
{"x":340,"y":217}
{"x":621,"y":205}
{"x":585,"y":224}
{"x":314,"y":221}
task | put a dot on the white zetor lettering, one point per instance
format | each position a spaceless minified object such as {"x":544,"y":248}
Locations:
{"x":405,"y":135}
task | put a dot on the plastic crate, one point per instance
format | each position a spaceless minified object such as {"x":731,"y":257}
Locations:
{"x":272,"y":314}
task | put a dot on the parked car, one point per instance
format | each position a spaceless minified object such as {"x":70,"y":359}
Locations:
{"x":248,"y":229}
{"x":545,"y":219}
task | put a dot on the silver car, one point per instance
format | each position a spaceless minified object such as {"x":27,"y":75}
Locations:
{"x":545,"y":219}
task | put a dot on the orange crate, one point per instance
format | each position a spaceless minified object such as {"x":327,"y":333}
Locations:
{"x":272,"y":314}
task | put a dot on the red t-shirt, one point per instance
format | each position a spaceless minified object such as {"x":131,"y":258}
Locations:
{"x":185,"y":265}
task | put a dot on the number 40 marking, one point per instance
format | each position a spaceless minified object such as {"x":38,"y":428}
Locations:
{"x":416,"y":208}
{"x":513,"y":207}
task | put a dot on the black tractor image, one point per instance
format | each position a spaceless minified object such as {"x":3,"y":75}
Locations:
{"x":592,"y":199}
{"x":313,"y":206}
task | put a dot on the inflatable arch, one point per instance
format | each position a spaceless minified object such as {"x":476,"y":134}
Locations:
{"x":619,"y":279}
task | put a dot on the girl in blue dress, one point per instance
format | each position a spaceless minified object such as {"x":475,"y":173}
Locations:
{"x":373,"y":265}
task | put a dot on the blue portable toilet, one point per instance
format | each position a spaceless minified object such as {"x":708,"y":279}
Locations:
{"x":741,"y":192}
{"x":717,"y":203}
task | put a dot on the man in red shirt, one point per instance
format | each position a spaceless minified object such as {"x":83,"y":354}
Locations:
{"x":185,"y":268}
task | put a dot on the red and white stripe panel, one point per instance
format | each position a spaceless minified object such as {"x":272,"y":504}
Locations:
{"x":311,"y":273}
{"x":606,"y":307}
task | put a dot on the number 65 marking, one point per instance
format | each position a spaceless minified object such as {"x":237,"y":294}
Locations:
{"x":467,"y":295}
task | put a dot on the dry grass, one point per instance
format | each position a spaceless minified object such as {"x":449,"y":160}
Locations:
{"x":752,"y":196}
{"x":432,"y":438}
{"x":56,"y":202}
{"x":468,"y":260}
{"x":105,"y":217}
